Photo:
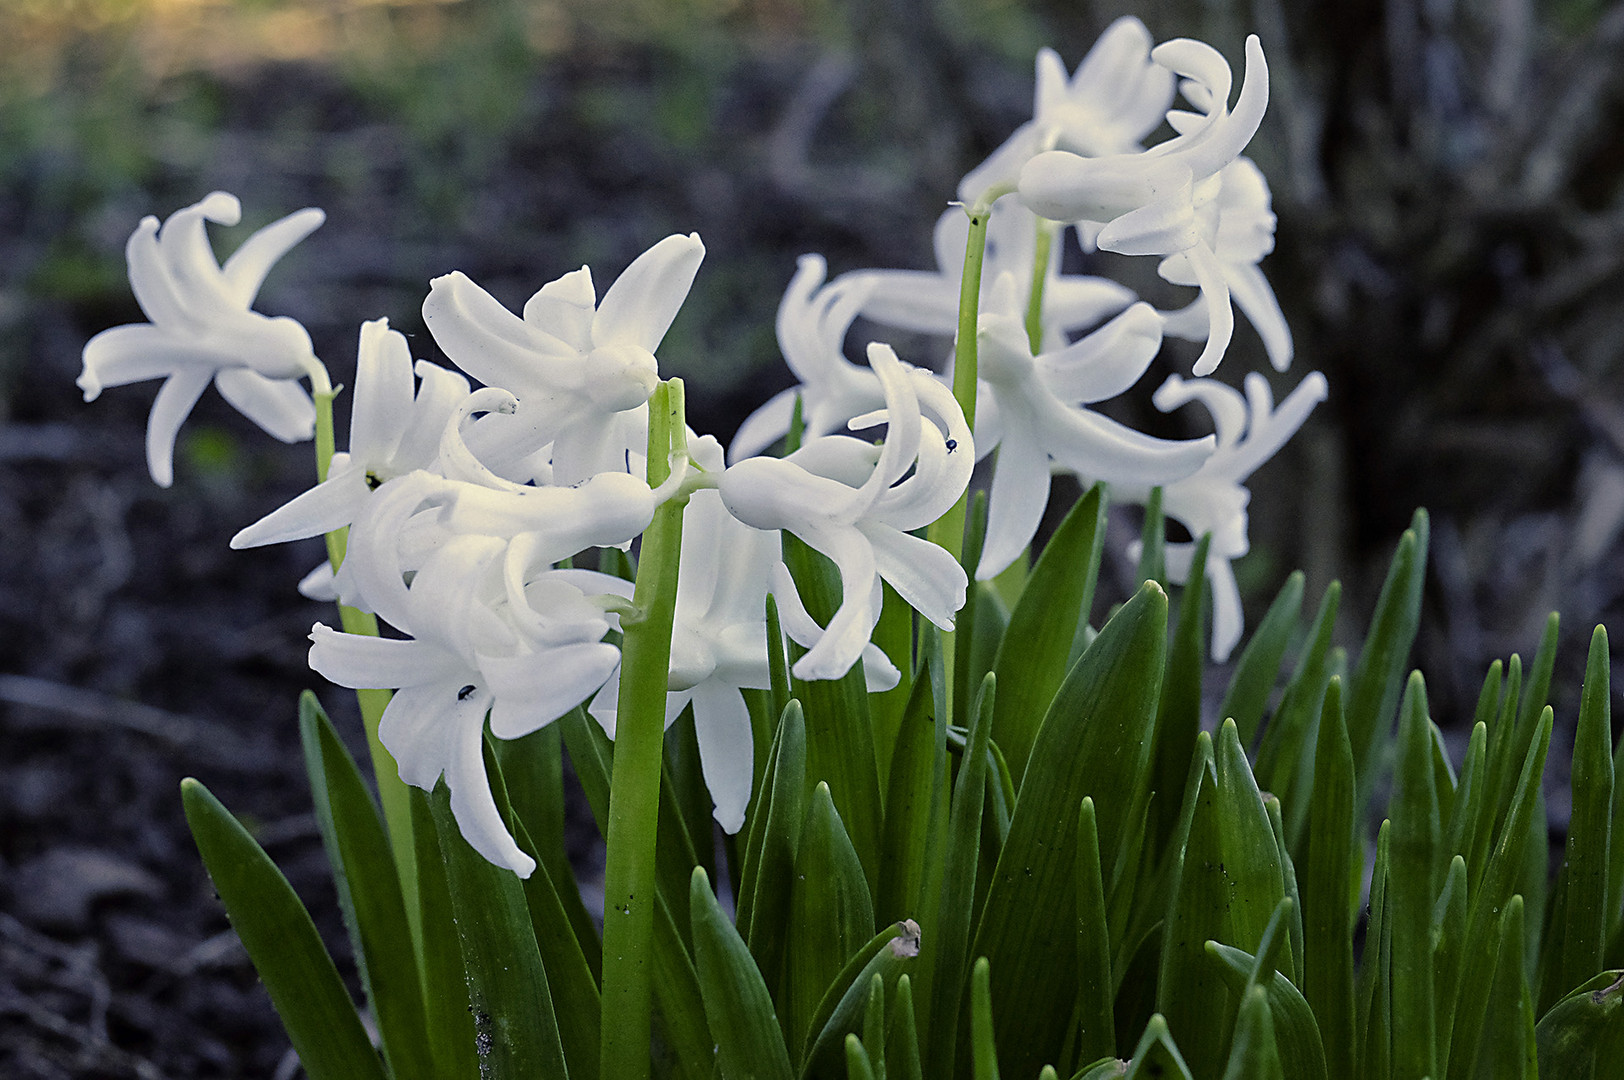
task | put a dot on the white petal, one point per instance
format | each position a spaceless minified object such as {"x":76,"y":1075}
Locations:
{"x":564,"y":308}
{"x":841,"y":643}
{"x":1164,"y":224}
{"x":1226,"y":607}
{"x":1063,"y":186}
{"x":1050,"y":79}
{"x":902,"y":421}
{"x":1108,"y":361}
{"x":1073,"y":301}
{"x":537,"y":688}
{"x":924,"y":574}
{"x":375,"y":564}
{"x":607,"y":510}
{"x":605,"y":705}
{"x":417,"y":730}
{"x":491,"y":343}
{"x":1003,"y":165}
{"x":776,"y":493}
{"x":923,"y":301}
{"x":1270,"y":430}
{"x":762,"y":428}
{"x":639,"y":307}
{"x":1098,"y":448}
{"x":439,"y":393}
{"x":153,"y":284}
{"x":1220,"y":315}
{"x":1223,"y":403}
{"x":1015,"y":505}
{"x":879,"y":673}
{"x":940,"y":476}
{"x":1128,"y":91}
{"x":726,"y":750}
{"x":1199,"y":61}
{"x":364,"y":662}
{"x":183,"y":242}
{"x":246,"y":269}
{"x":330,"y":505}
{"x":383,"y":394}
{"x":1251,"y":291}
{"x":169,"y":410}
{"x":471,"y":801}
{"x":319,"y":584}
{"x":1221,"y":142}
{"x":280,"y":407}
{"x":127,"y":354}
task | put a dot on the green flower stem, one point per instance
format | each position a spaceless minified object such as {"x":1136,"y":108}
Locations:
{"x":948,"y":530}
{"x":397,"y":807}
{"x":634,"y":791}
{"x":1040,"y":278}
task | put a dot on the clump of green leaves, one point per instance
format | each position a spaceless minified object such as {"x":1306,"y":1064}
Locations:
{"x":1084,"y":878}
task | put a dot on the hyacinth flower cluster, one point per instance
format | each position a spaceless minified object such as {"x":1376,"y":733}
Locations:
{"x":463,"y":504}
{"x":963,"y":828}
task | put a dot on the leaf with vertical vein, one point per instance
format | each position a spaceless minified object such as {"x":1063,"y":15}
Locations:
{"x":1094,"y":733}
{"x":279,"y":937}
{"x":1031,"y":662}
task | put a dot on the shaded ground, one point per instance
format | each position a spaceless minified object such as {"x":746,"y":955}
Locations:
{"x":1458,"y":297}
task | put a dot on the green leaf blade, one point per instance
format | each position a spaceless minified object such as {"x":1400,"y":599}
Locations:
{"x":280,"y":938}
{"x":1094,"y":733}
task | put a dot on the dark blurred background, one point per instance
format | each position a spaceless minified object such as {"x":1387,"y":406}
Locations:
{"x":1451,"y":254}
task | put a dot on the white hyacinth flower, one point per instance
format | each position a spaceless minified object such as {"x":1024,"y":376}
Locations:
{"x":1161,"y":201}
{"x":857,"y":503}
{"x":1043,"y":425}
{"x":582,"y":369}
{"x":1115,"y":98}
{"x":718,"y":640}
{"x":1241,"y":236}
{"x":203,"y":328}
{"x":1250,"y":430}
{"x":927,"y":301}
{"x":395,"y":428}
{"x":476,"y":647}
{"x":879,"y":673}
{"x":813,"y":319}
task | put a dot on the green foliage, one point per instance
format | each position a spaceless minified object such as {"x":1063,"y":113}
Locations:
{"x":276,"y":930}
{"x":1091,"y":912}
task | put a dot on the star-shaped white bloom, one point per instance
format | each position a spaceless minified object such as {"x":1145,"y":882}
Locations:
{"x":1240,"y":235}
{"x":203,"y":328}
{"x":857,"y":503}
{"x":813,"y":319}
{"x":927,"y":301}
{"x":1042,"y":425}
{"x":1213,"y":499}
{"x":477,"y":646}
{"x":1161,"y":201}
{"x":718,"y":640}
{"x":1116,"y":97}
{"x":395,"y":428}
{"x":582,"y":370}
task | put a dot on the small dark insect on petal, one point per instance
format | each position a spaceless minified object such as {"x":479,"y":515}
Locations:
{"x":466,"y":692}
{"x":952,"y":445}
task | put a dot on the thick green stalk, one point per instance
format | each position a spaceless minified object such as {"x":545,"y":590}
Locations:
{"x":948,"y":530}
{"x":1040,"y":277}
{"x":634,"y":791}
{"x":397,"y":807}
